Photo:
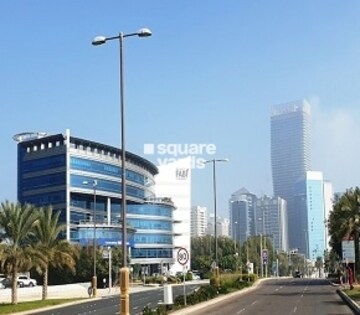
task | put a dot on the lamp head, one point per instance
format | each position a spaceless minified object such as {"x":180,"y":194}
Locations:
{"x":144,"y":32}
{"x":99,"y":40}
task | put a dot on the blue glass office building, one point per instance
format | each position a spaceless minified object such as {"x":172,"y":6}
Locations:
{"x":74,"y":174}
{"x":309,"y":197}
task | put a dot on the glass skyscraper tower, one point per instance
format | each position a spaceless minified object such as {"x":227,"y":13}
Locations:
{"x":290,"y":156}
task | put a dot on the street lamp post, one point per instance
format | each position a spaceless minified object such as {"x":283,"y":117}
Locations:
{"x":124,"y":272}
{"x":235,"y":252}
{"x":261,"y":247}
{"x":213,"y":161}
{"x":265,"y":247}
{"x":94,"y":279}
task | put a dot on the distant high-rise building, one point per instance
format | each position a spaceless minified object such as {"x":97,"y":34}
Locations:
{"x":311,"y":197}
{"x":242,"y":209}
{"x":290,"y":156}
{"x":223,"y":225}
{"x":272,"y":221}
{"x":198,"y":222}
{"x":210,"y":228}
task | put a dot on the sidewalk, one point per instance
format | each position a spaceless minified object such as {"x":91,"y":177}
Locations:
{"x":77,"y":290}
{"x":66,"y":291}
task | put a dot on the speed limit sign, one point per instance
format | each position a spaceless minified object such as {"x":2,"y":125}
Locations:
{"x":182,"y":256}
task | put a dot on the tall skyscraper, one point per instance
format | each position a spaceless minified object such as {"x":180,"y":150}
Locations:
{"x":290,"y":155}
{"x":312,"y":195}
{"x":198,"y":222}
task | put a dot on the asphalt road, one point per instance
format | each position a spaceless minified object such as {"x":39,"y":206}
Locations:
{"x":283,"y":296}
{"x":111,"y":305}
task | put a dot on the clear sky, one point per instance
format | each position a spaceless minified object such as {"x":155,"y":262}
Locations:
{"x":209,"y":74}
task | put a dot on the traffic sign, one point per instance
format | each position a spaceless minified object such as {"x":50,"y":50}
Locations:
{"x":265,"y":256}
{"x":182,"y":256}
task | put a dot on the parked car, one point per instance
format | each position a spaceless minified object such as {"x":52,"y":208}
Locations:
{"x":196,"y":276}
{"x":22,"y":281}
{"x":25,"y":281}
{"x":298,"y":274}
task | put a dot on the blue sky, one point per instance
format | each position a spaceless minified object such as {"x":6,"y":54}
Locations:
{"x":209,"y":74}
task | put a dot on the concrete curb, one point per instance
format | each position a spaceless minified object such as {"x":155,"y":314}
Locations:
{"x":350,"y":302}
{"x":193,"y":308}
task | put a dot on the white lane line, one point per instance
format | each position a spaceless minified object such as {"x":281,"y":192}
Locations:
{"x":295,"y":309}
{"x":135,"y":307}
{"x":239,"y":312}
{"x":253,"y":303}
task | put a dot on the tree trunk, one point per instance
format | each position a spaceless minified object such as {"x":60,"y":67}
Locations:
{"x":45,"y":283}
{"x":14,"y":298}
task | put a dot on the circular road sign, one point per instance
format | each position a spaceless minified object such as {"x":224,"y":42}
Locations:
{"x":182,"y":256}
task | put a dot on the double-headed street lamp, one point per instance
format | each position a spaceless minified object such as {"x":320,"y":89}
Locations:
{"x":214,"y":161}
{"x":94,"y":279}
{"x":124,"y":273}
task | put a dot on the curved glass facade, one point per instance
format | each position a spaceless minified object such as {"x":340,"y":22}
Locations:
{"x":82,"y":179}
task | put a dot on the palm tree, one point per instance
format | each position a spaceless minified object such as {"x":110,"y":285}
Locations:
{"x":17,"y":222}
{"x":56,"y":252}
{"x":345,"y":220}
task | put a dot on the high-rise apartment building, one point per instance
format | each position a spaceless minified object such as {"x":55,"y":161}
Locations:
{"x":272,"y":221}
{"x":251,"y":216}
{"x":198,"y":222}
{"x":223,"y":225}
{"x":290,"y":156}
{"x":242,"y":210}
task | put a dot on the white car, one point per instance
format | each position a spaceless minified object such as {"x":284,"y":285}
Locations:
{"x":196,"y":277}
{"x":25,"y":281}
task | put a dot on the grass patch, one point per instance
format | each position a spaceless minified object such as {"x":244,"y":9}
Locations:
{"x":354,"y":293}
{"x":6,"y":308}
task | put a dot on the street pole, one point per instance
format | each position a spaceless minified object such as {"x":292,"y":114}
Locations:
{"x":110,"y":268}
{"x":217,"y":273}
{"x":94,"y":280}
{"x":261,"y":257}
{"x":265,"y":247}
{"x":124,"y":271}
{"x":235,"y":252}
{"x":215,"y":213}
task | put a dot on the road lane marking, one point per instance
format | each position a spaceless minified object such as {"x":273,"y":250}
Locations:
{"x":239,"y":312}
{"x":253,"y":303}
{"x":295,"y":309}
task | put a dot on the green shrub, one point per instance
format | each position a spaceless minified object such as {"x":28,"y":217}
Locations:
{"x":189,"y":276}
{"x":161,"y":310}
{"x":179,"y":300}
{"x":204,"y":293}
{"x":147,"y":311}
